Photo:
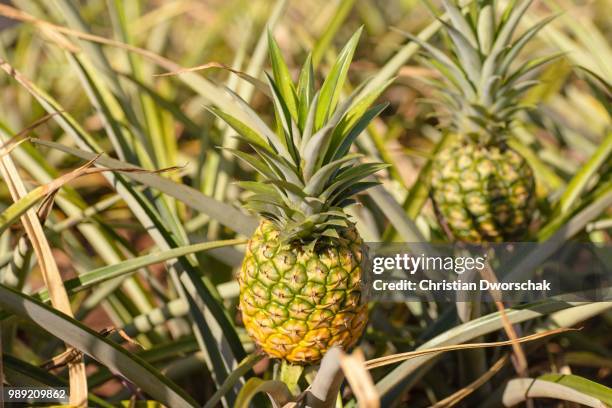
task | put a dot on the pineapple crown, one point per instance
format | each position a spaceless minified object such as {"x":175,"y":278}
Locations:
{"x":308,"y":173}
{"x":481,"y":87}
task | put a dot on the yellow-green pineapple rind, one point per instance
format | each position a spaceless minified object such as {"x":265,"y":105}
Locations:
{"x":483,"y":193}
{"x":297,"y":302}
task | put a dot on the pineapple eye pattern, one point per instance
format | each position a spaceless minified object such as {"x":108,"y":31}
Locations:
{"x":299,"y":314}
{"x":479,"y":200}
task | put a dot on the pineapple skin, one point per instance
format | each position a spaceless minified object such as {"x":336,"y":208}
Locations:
{"x":483,"y":193}
{"x":296,"y":302}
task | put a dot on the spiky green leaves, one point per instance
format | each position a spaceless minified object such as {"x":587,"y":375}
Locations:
{"x":332,"y":86}
{"x":481,"y":86}
{"x":308,"y":175}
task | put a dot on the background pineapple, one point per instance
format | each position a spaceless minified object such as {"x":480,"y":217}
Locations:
{"x":300,"y":282}
{"x":483,"y":190}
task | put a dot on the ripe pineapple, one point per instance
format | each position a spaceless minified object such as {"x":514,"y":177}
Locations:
{"x":484,"y":190}
{"x":300,"y":282}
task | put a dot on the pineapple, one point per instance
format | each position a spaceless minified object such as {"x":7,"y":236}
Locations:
{"x":300,"y":282}
{"x":482,"y":189}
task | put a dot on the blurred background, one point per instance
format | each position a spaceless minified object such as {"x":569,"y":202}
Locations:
{"x":88,"y":74}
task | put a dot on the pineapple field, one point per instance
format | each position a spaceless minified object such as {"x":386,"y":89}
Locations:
{"x":325,"y":204}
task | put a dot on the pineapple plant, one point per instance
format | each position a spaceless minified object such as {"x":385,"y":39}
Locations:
{"x":300,"y":282}
{"x":483,"y":190}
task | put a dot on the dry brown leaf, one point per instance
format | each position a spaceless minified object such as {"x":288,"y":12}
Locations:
{"x":395,"y":358}
{"x":52,"y":187}
{"x":69,"y":356}
{"x":16,"y":140}
{"x":360,"y":380}
{"x":383,"y":361}
{"x":520,"y":360}
{"x":16,"y":14}
{"x":110,"y":330}
{"x":459,"y":395}
{"x":51,"y":276}
{"x":260,"y":85}
{"x":49,"y":270}
{"x":10,"y":145}
{"x":54,"y":32}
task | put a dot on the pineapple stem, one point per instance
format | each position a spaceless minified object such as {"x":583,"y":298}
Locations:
{"x":290,"y":374}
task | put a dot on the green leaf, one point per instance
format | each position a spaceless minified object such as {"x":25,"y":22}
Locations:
{"x":113,"y":356}
{"x":330,"y":232}
{"x":22,"y":374}
{"x":316,"y":151}
{"x":108,"y":108}
{"x":419,"y":192}
{"x":265,"y":210}
{"x":256,"y":187}
{"x":508,"y":26}
{"x":486,"y":28}
{"x":290,"y":374}
{"x":341,"y":143}
{"x":446,"y":66}
{"x":309,"y":129}
{"x":287,"y":170}
{"x":581,"y":384}
{"x":338,"y":16}
{"x":244,"y":366}
{"x":287,"y":187}
{"x":518,"y":390}
{"x":393,"y":384}
{"x":554,"y":234}
{"x":350,"y":176}
{"x":512,"y":54}
{"x":526,"y":69}
{"x":187,"y":280}
{"x":585,"y":44}
{"x":105,"y":273}
{"x":342,"y":197}
{"x":394,"y":212}
{"x":276,"y":390}
{"x":315,"y":185}
{"x":313,"y":148}
{"x":253,"y":117}
{"x":579,"y":182}
{"x":282,"y":78}
{"x":198,"y":294}
{"x":225,"y":214}
{"x":272,"y":199}
{"x":18,"y":208}
{"x":333,"y":84}
{"x":404,"y":54}
{"x":255,"y":163}
{"x":305,"y":91}
{"x":468,"y":55}
{"x":243,"y":130}
{"x":460,"y":23}
{"x":165,"y":103}
{"x":503,"y":38}
{"x":362,"y":101}
{"x":286,"y":123}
